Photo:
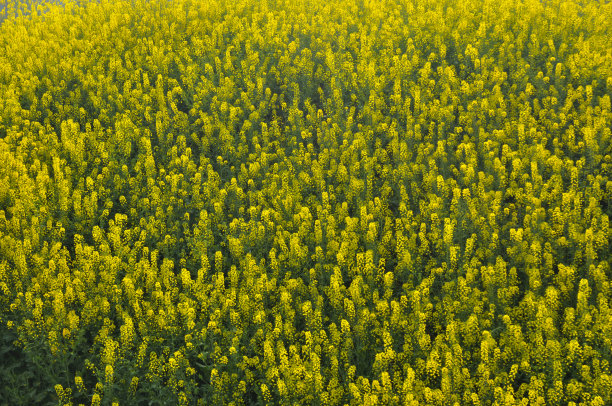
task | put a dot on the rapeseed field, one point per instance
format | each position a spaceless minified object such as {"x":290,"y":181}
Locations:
{"x":290,"y":202}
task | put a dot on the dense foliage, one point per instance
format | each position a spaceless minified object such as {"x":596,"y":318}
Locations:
{"x":327,"y":202}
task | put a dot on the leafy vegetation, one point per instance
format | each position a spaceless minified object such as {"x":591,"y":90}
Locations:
{"x":305,"y":202}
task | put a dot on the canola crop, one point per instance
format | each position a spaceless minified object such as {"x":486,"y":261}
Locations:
{"x":289,"y":202}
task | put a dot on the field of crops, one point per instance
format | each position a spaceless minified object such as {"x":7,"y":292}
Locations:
{"x":291,"y":202}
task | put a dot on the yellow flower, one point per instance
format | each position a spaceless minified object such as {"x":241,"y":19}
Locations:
{"x":134,"y":384}
{"x":266,"y":393}
{"x":59,"y":390}
{"x":108,"y":374}
{"x":78,"y":381}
